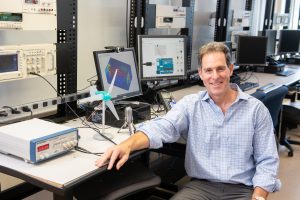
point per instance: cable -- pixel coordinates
(147, 64)
(13, 110)
(3, 114)
(83, 150)
(92, 82)
(83, 121)
(27, 109)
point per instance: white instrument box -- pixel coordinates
(36, 140)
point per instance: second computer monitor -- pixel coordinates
(289, 41)
(162, 57)
(251, 50)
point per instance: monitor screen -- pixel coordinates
(162, 57)
(271, 35)
(127, 82)
(251, 50)
(289, 41)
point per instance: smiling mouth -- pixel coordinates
(217, 84)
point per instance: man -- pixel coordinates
(230, 145)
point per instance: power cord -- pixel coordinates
(91, 82)
(83, 121)
(83, 150)
(147, 64)
(27, 109)
(3, 114)
(13, 110)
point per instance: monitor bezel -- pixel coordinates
(161, 78)
(100, 80)
(280, 41)
(251, 64)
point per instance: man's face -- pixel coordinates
(215, 73)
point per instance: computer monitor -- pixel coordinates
(289, 41)
(127, 83)
(162, 57)
(271, 35)
(251, 50)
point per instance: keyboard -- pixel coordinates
(265, 87)
(248, 85)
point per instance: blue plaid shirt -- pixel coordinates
(238, 147)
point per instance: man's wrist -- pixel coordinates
(259, 193)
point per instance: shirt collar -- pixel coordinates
(241, 95)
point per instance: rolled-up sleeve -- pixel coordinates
(265, 153)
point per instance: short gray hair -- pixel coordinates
(214, 47)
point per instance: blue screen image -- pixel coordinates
(124, 75)
(164, 66)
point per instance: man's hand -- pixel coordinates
(260, 192)
(120, 153)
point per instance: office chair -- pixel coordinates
(273, 101)
(260, 95)
(132, 179)
(290, 119)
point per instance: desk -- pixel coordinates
(264, 78)
(61, 174)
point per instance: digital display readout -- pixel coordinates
(8, 63)
(43, 147)
(11, 17)
(32, 1)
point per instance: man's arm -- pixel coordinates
(265, 153)
(121, 152)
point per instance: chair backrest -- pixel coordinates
(273, 101)
(260, 95)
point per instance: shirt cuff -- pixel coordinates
(270, 184)
(154, 139)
